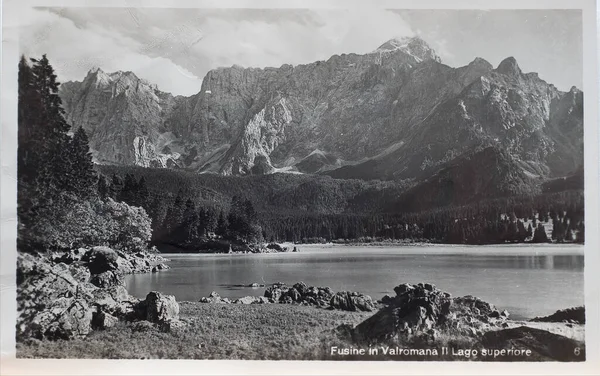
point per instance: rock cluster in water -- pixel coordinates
(214, 297)
(301, 293)
(423, 309)
(68, 295)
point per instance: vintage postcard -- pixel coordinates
(353, 185)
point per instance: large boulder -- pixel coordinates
(161, 308)
(294, 295)
(422, 309)
(65, 319)
(159, 267)
(102, 320)
(276, 291)
(301, 287)
(252, 300)
(324, 293)
(214, 297)
(363, 303)
(101, 259)
(107, 279)
(351, 301)
(51, 303)
(115, 301)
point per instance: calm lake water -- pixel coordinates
(528, 281)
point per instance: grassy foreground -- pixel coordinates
(212, 331)
(267, 332)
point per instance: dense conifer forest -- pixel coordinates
(301, 208)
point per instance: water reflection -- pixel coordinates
(568, 262)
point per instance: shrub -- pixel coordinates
(69, 222)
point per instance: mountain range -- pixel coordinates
(397, 113)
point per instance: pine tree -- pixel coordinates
(29, 110)
(221, 225)
(28, 153)
(143, 195)
(235, 217)
(116, 187)
(539, 236)
(522, 232)
(188, 229)
(103, 188)
(82, 176)
(512, 232)
(174, 215)
(51, 131)
(128, 193)
(202, 222)
(42, 157)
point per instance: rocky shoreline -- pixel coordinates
(302, 294)
(68, 296)
(222, 246)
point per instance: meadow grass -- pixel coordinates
(258, 332)
(212, 331)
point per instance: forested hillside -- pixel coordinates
(309, 208)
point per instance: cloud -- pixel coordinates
(175, 48)
(316, 36)
(74, 49)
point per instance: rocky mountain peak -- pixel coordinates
(509, 67)
(479, 62)
(414, 46)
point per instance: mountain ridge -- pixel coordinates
(394, 113)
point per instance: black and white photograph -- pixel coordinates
(317, 184)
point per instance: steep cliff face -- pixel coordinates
(124, 118)
(396, 112)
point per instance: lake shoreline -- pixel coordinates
(299, 246)
(434, 248)
(526, 274)
(296, 328)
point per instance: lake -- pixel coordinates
(527, 280)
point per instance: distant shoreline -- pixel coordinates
(403, 244)
(425, 244)
(515, 249)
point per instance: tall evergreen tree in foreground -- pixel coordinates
(44, 164)
(55, 169)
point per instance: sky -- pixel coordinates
(175, 48)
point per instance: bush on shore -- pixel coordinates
(70, 223)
